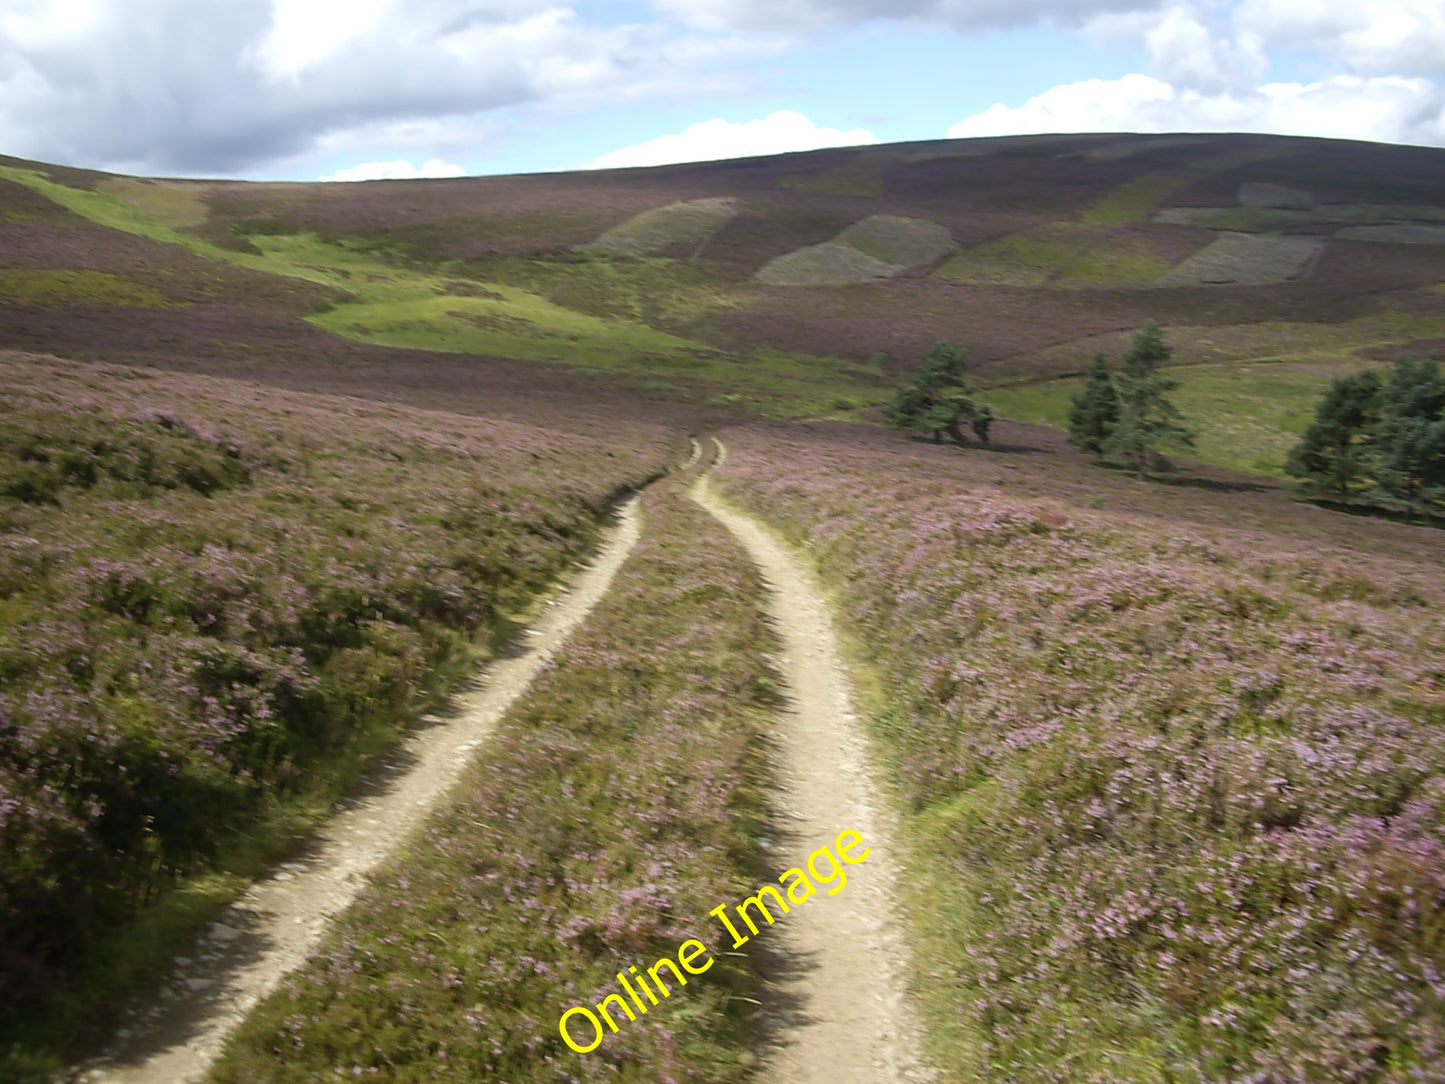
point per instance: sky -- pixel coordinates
(359, 89)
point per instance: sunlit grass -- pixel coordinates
(1059, 254)
(1245, 415)
(58, 289)
(1134, 200)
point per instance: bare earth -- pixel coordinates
(850, 959)
(281, 920)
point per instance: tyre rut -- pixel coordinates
(847, 954)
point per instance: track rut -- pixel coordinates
(853, 1023)
(281, 920)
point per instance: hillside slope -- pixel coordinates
(772, 283)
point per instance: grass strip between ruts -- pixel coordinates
(619, 801)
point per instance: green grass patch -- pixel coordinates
(1339, 345)
(106, 209)
(1060, 254)
(1133, 201)
(688, 222)
(907, 242)
(672, 295)
(170, 203)
(1247, 415)
(61, 289)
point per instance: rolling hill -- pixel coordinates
(281, 463)
(796, 285)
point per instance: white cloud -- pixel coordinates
(180, 86)
(305, 32)
(1401, 37)
(399, 170)
(709, 140)
(1383, 108)
(966, 15)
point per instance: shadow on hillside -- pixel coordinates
(1213, 485)
(1375, 511)
(975, 446)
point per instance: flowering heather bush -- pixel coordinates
(1177, 799)
(618, 802)
(210, 592)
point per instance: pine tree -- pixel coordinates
(939, 398)
(1148, 421)
(1094, 411)
(1410, 436)
(1337, 451)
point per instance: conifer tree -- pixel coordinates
(1148, 421)
(1337, 451)
(1094, 411)
(1410, 437)
(939, 398)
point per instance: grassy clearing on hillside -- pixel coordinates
(1343, 343)
(830, 264)
(170, 203)
(392, 301)
(1059, 254)
(1175, 799)
(61, 289)
(1133, 200)
(908, 242)
(216, 601)
(878, 247)
(666, 294)
(109, 209)
(1246, 416)
(1245, 259)
(620, 800)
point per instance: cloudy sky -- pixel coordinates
(304, 89)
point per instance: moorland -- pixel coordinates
(280, 464)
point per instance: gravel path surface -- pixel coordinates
(849, 957)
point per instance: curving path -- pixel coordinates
(281, 920)
(854, 1023)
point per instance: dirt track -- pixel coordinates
(281, 920)
(848, 958)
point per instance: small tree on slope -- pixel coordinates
(1094, 412)
(1148, 421)
(1411, 434)
(939, 398)
(1337, 451)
